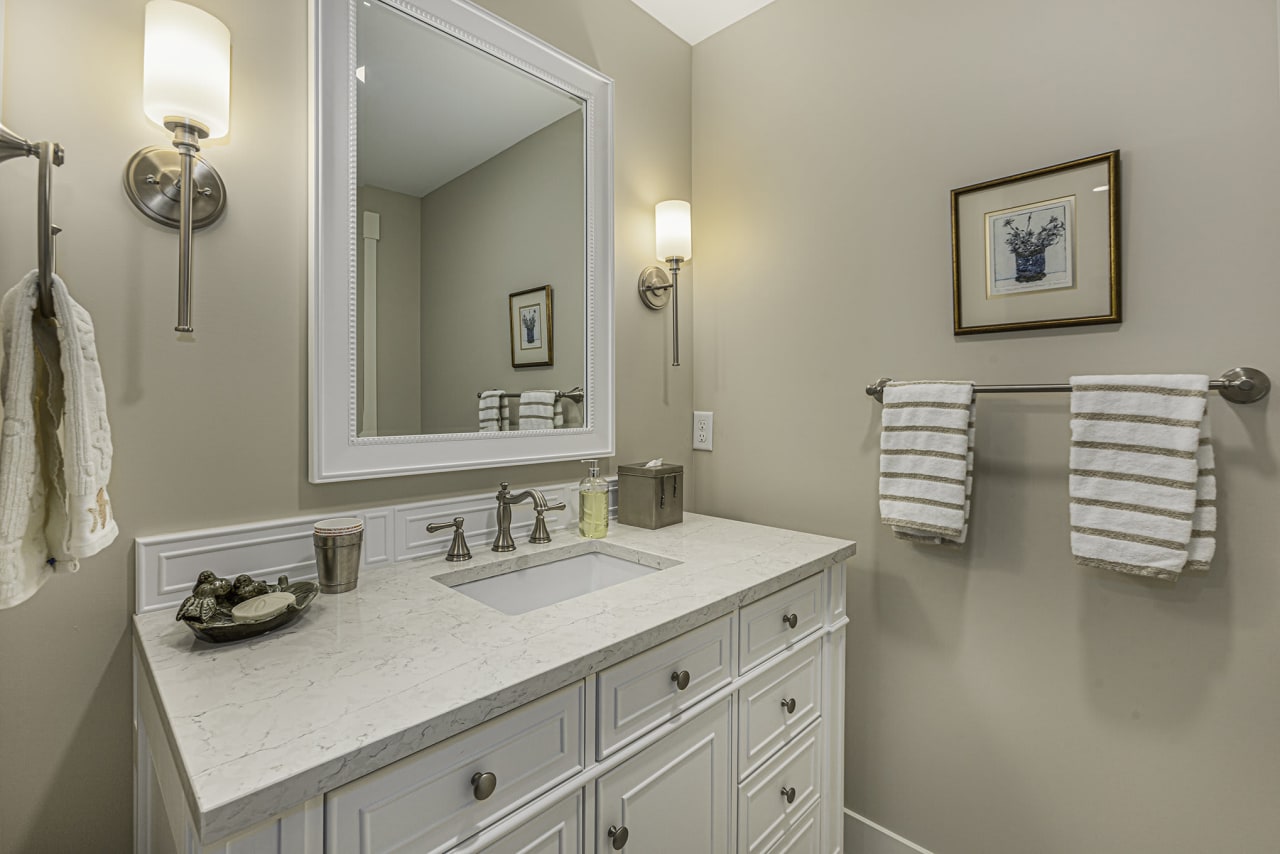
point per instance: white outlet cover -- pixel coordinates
(703, 430)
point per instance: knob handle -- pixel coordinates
(483, 784)
(619, 836)
(681, 678)
(790, 705)
(790, 620)
(789, 794)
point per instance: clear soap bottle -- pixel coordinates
(593, 503)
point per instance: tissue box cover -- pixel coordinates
(650, 497)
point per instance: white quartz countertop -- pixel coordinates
(402, 662)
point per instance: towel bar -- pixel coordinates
(1238, 385)
(50, 155)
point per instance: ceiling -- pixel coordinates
(694, 20)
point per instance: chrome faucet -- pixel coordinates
(503, 542)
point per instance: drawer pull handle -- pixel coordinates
(790, 705)
(619, 836)
(681, 678)
(483, 784)
(789, 794)
(790, 620)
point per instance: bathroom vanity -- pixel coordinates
(696, 706)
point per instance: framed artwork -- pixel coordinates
(1039, 249)
(531, 328)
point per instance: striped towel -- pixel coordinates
(1142, 486)
(926, 460)
(492, 417)
(537, 410)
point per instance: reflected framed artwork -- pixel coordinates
(532, 331)
(1039, 249)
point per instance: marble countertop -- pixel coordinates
(402, 662)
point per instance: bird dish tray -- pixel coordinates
(207, 612)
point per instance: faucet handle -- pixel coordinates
(458, 549)
(540, 533)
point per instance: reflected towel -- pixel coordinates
(491, 414)
(1141, 474)
(537, 410)
(926, 460)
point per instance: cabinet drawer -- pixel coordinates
(803, 838)
(764, 814)
(642, 692)
(778, 702)
(766, 624)
(428, 802)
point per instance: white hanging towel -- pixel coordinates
(491, 414)
(1142, 486)
(54, 506)
(537, 410)
(926, 460)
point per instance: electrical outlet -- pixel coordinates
(702, 424)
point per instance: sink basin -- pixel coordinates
(524, 590)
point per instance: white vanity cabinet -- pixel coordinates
(725, 738)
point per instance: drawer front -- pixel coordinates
(557, 830)
(777, 703)
(766, 625)
(640, 693)
(803, 838)
(428, 802)
(764, 813)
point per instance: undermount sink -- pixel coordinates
(524, 590)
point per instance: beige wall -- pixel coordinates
(399, 284)
(529, 199)
(1002, 700)
(212, 431)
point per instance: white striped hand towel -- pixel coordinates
(926, 460)
(491, 405)
(1135, 457)
(537, 410)
(1204, 522)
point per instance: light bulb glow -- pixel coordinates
(672, 221)
(186, 67)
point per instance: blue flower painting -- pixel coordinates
(530, 327)
(1031, 248)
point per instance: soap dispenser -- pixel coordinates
(593, 503)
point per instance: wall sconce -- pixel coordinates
(186, 88)
(675, 245)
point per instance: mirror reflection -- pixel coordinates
(471, 243)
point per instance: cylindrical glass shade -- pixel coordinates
(186, 67)
(673, 227)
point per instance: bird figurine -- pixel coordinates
(247, 587)
(203, 601)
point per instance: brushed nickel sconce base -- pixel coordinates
(654, 287)
(152, 179)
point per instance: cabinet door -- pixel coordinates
(556, 830)
(673, 796)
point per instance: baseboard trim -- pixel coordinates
(857, 827)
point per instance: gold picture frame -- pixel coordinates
(1038, 250)
(532, 330)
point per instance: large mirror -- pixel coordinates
(461, 259)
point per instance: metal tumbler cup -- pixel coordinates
(337, 544)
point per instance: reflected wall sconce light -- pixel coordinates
(186, 88)
(675, 246)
